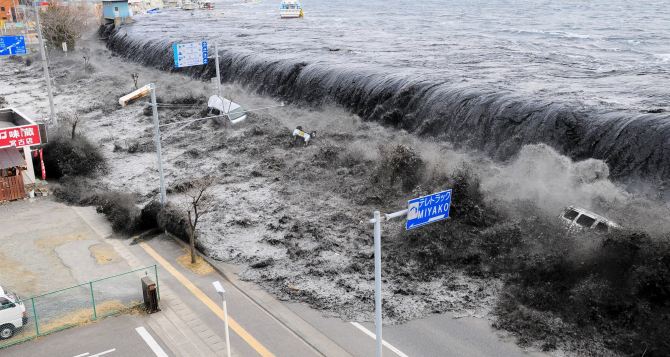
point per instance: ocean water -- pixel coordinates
(599, 52)
(589, 78)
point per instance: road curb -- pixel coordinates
(311, 336)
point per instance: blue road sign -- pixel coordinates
(428, 209)
(12, 45)
(189, 54)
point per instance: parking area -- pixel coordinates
(55, 258)
(125, 335)
(47, 246)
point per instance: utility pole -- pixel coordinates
(218, 71)
(378, 282)
(157, 141)
(45, 65)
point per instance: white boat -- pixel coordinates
(217, 105)
(188, 5)
(290, 9)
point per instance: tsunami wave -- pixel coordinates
(634, 144)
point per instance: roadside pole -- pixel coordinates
(218, 71)
(420, 211)
(378, 281)
(45, 65)
(377, 221)
(221, 291)
(225, 315)
(157, 141)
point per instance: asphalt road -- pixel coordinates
(109, 337)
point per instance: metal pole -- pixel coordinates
(218, 71)
(378, 282)
(95, 312)
(52, 110)
(158, 288)
(37, 324)
(157, 139)
(225, 321)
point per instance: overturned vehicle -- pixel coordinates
(576, 218)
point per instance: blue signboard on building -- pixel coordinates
(189, 54)
(12, 45)
(428, 209)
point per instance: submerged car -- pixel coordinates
(580, 218)
(217, 105)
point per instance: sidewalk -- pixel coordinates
(182, 331)
(177, 325)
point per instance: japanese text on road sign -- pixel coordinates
(189, 54)
(12, 45)
(428, 209)
(20, 136)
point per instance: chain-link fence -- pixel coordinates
(22, 319)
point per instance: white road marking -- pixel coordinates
(103, 353)
(97, 354)
(373, 336)
(146, 336)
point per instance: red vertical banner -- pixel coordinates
(44, 171)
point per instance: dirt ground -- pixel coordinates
(297, 215)
(47, 246)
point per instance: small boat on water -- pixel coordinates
(188, 5)
(291, 9)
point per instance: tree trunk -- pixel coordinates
(192, 244)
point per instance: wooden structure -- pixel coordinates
(12, 165)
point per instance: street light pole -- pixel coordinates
(157, 141)
(218, 71)
(45, 65)
(377, 221)
(221, 292)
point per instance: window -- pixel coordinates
(570, 214)
(116, 8)
(602, 227)
(5, 304)
(585, 221)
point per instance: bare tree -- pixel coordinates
(64, 22)
(71, 119)
(200, 202)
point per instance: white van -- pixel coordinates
(579, 218)
(12, 314)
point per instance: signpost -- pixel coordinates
(420, 212)
(428, 209)
(189, 54)
(12, 45)
(20, 136)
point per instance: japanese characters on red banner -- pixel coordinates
(20, 136)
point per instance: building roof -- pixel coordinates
(11, 157)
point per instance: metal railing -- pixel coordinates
(80, 304)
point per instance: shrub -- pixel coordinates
(64, 156)
(120, 210)
(168, 218)
(72, 190)
(64, 23)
